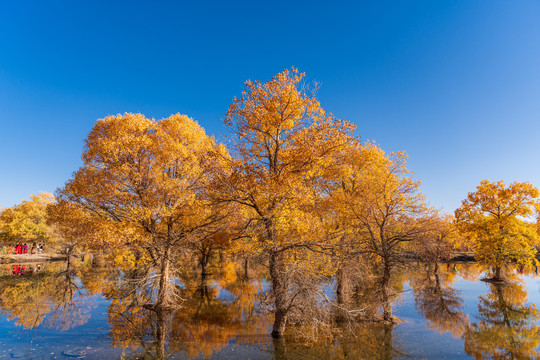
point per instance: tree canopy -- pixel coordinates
(495, 217)
(27, 221)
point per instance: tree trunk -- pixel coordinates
(343, 287)
(69, 254)
(502, 306)
(279, 289)
(497, 276)
(385, 289)
(164, 297)
(246, 269)
(280, 350)
(343, 294)
(68, 260)
(161, 335)
(387, 348)
(280, 323)
(98, 260)
(204, 263)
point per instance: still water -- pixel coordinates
(49, 311)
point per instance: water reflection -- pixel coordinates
(223, 312)
(437, 300)
(360, 341)
(507, 326)
(54, 297)
(212, 314)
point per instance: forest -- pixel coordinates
(292, 190)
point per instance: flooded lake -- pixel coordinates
(50, 311)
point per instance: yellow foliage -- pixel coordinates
(143, 184)
(228, 274)
(494, 218)
(285, 149)
(27, 221)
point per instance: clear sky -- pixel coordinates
(455, 84)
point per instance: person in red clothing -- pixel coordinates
(25, 248)
(18, 249)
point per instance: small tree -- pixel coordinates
(441, 240)
(494, 218)
(383, 210)
(27, 222)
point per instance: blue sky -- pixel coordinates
(455, 84)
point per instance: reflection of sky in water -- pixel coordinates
(91, 340)
(418, 340)
(421, 342)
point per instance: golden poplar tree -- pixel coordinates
(284, 148)
(493, 217)
(27, 221)
(382, 210)
(149, 178)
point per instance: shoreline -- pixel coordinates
(31, 258)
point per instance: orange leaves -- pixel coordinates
(286, 148)
(145, 172)
(518, 199)
(278, 103)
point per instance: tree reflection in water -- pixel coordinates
(223, 312)
(437, 300)
(359, 341)
(216, 313)
(53, 297)
(507, 326)
(210, 317)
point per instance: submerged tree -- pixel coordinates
(440, 241)
(382, 211)
(493, 217)
(148, 178)
(206, 324)
(283, 151)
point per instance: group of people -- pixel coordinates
(20, 249)
(21, 269)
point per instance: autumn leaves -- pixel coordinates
(296, 188)
(494, 217)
